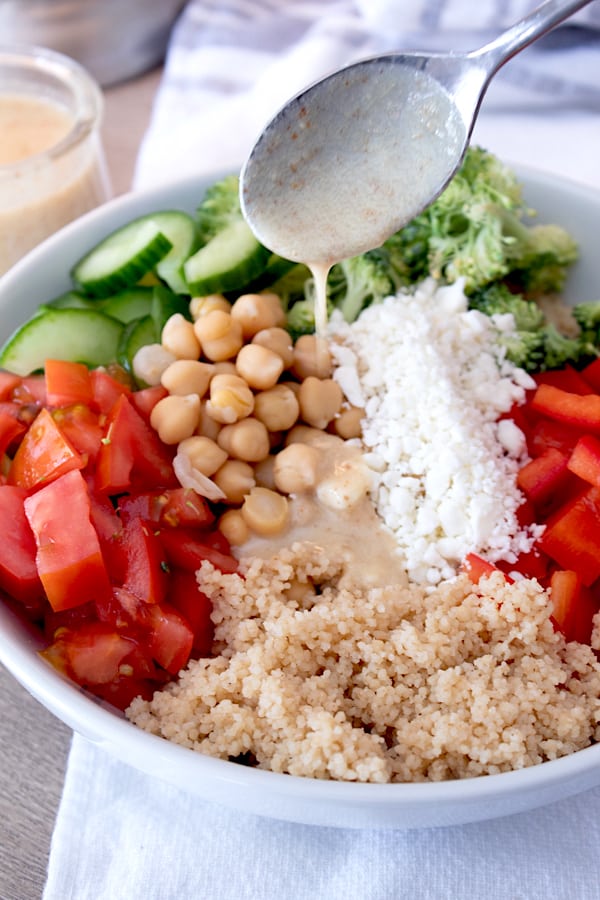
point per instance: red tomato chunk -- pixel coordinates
(92, 515)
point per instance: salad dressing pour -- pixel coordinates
(353, 158)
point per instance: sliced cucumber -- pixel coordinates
(132, 303)
(69, 300)
(182, 230)
(135, 334)
(166, 303)
(122, 258)
(230, 260)
(77, 335)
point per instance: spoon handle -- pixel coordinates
(541, 20)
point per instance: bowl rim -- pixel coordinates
(112, 730)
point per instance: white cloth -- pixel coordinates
(122, 835)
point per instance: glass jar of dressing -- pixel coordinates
(52, 166)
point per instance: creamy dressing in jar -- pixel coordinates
(52, 167)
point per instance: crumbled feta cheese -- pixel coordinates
(428, 374)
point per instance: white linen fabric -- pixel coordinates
(122, 835)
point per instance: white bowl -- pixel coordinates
(42, 275)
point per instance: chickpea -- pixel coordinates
(265, 512)
(260, 366)
(236, 479)
(204, 454)
(348, 424)
(277, 408)
(247, 440)
(279, 341)
(150, 362)
(176, 417)
(233, 526)
(346, 487)
(304, 434)
(320, 400)
(207, 426)
(225, 367)
(219, 334)
(200, 306)
(187, 376)
(296, 468)
(254, 312)
(264, 472)
(311, 357)
(179, 338)
(230, 399)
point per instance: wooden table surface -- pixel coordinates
(33, 744)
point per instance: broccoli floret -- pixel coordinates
(560, 349)
(357, 282)
(300, 317)
(587, 316)
(540, 257)
(297, 284)
(219, 208)
(523, 348)
(475, 230)
(497, 299)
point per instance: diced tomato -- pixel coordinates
(106, 390)
(564, 406)
(185, 507)
(147, 505)
(546, 480)
(584, 461)
(67, 383)
(572, 536)
(146, 399)
(103, 516)
(44, 454)
(69, 559)
(32, 389)
(185, 595)
(145, 564)
(567, 379)
(8, 382)
(124, 689)
(11, 429)
(81, 427)
(185, 549)
(171, 638)
(18, 570)
(130, 440)
(91, 654)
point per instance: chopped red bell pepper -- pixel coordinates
(572, 536)
(546, 481)
(573, 605)
(584, 461)
(564, 406)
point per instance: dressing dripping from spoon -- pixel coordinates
(353, 158)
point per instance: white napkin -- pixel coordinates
(120, 834)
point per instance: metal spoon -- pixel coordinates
(354, 157)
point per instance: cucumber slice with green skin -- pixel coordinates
(69, 300)
(122, 258)
(166, 303)
(132, 303)
(136, 334)
(76, 335)
(182, 230)
(229, 261)
(277, 267)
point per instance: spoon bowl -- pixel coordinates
(354, 157)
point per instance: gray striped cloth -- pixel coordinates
(232, 63)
